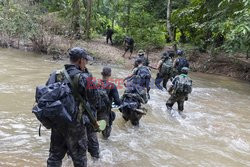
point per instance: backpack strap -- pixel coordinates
(82, 101)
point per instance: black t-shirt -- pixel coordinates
(129, 41)
(110, 32)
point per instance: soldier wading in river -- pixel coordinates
(179, 90)
(63, 107)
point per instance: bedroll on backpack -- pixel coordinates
(167, 67)
(184, 85)
(55, 105)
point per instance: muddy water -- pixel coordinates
(216, 131)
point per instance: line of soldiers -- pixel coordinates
(80, 136)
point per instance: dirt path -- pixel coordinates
(113, 55)
(107, 53)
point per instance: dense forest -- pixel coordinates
(206, 24)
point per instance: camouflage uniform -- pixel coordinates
(107, 114)
(163, 77)
(93, 144)
(180, 98)
(71, 139)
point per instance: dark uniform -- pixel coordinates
(136, 93)
(180, 62)
(164, 76)
(129, 42)
(93, 144)
(161, 76)
(71, 139)
(109, 34)
(106, 114)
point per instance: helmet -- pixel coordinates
(184, 70)
(141, 52)
(179, 52)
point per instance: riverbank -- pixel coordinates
(236, 67)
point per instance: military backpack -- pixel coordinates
(167, 67)
(183, 85)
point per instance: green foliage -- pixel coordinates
(215, 24)
(119, 36)
(16, 21)
(220, 24)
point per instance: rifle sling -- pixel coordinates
(82, 101)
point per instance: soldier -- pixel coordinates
(72, 139)
(179, 90)
(109, 94)
(165, 70)
(140, 74)
(180, 61)
(93, 144)
(129, 46)
(109, 35)
(141, 55)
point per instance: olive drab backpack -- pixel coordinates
(183, 85)
(55, 103)
(104, 102)
(167, 67)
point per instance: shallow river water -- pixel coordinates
(215, 132)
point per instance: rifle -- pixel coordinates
(98, 125)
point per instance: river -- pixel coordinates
(215, 132)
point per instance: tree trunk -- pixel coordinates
(183, 36)
(76, 18)
(168, 21)
(98, 5)
(128, 14)
(88, 18)
(113, 12)
(248, 53)
(169, 26)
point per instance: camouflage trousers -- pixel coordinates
(93, 144)
(179, 99)
(71, 140)
(159, 78)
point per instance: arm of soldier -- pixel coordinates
(171, 88)
(83, 85)
(131, 75)
(115, 95)
(175, 63)
(159, 64)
